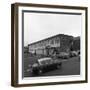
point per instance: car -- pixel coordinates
(78, 52)
(45, 64)
(63, 55)
(73, 53)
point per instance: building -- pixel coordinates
(26, 49)
(51, 45)
(76, 44)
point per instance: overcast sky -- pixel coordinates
(40, 26)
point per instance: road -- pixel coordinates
(70, 66)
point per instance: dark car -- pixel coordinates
(44, 65)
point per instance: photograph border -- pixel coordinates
(14, 43)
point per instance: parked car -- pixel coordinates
(63, 55)
(73, 53)
(45, 64)
(78, 51)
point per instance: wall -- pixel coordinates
(5, 45)
(40, 46)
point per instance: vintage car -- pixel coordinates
(63, 55)
(74, 53)
(45, 64)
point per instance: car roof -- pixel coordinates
(44, 59)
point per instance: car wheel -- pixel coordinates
(40, 72)
(58, 66)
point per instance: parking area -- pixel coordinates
(69, 66)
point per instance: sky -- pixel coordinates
(39, 26)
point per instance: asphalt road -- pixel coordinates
(70, 66)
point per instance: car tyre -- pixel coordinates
(58, 66)
(40, 72)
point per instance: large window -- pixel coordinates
(52, 41)
(56, 40)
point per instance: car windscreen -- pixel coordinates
(43, 62)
